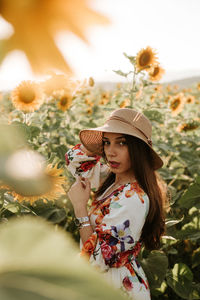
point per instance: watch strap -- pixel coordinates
(83, 219)
(80, 220)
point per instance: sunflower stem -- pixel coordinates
(25, 118)
(133, 89)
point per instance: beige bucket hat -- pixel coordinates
(125, 121)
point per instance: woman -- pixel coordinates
(127, 209)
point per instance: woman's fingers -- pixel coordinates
(87, 184)
(80, 192)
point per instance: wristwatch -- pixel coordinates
(79, 221)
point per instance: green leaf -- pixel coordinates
(190, 230)
(195, 291)
(34, 131)
(131, 58)
(192, 196)
(119, 72)
(180, 280)
(196, 258)
(155, 268)
(172, 222)
(61, 150)
(13, 207)
(154, 115)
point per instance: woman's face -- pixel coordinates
(117, 154)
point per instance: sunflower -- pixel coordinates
(36, 24)
(156, 73)
(89, 102)
(188, 126)
(4, 186)
(124, 103)
(56, 179)
(89, 111)
(169, 88)
(145, 59)
(57, 82)
(190, 99)
(105, 97)
(158, 88)
(177, 103)
(152, 98)
(138, 95)
(168, 99)
(91, 81)
(27, 96)
(64, 98)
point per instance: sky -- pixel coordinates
(169, 26)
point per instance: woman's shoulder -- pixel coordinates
(132, 190)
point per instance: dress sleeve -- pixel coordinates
(79, 164)
(121, 219)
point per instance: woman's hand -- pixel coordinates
(79, 195)
(87, 152)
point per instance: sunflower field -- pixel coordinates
(42, 120)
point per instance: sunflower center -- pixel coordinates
(175, 104)
(27, 95)
(155, 71)
(189, 100)
(64, 101)
(145, 59)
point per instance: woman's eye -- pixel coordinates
(122, 143)
(105, 142)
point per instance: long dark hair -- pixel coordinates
(142, 165)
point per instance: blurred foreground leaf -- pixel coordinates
(39, 262)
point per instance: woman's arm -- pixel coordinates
(81, 162)
(79, 195)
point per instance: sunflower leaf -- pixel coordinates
(192, 195)
(155, 267)
(180, 280)
(119, 72)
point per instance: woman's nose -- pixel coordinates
(111, 150)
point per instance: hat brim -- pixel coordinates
(92, 139)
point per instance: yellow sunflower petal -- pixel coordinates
(57, 82)
(36, 23)
(27, 96)
(56, 179)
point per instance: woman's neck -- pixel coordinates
(122, 179)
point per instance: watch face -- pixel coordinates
(77, 222)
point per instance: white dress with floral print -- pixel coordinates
(117, 221)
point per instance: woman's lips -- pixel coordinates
(114, 164)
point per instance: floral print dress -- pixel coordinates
(117, 221)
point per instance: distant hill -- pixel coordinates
(185, 82)
(182, 83)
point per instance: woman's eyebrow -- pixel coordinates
(117, 138)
